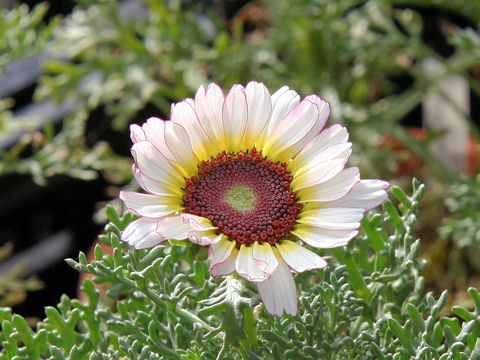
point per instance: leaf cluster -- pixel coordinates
(23, 32)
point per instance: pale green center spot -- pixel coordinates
(241, 198)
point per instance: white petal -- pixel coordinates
(202, 231)
(208, 106)
(333, 188)
(293, 128)
(259, 103)
(137, 174)
(141, 233)
(235, 117)
(310, 159)
(264, 257)
(156, 187)
(155, 165)
(317, 174)
(323, 238)
(154, 129)
(246, 265)
(151, 206)
(299, 258)
(178, 143)
(333, 218)
(323, 116)
(283, 100)
(183, 113)
(367, 194)
(203, 238)
(226, 267)
(198, 223)
(219, 251)
(278, 293)
(172, 227)
(136, 133)
(329, 136)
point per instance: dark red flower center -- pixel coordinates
(245, 195)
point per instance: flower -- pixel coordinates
(251, 175)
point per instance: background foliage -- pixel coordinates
(367, 58)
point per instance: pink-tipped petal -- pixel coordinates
(178, 142)
(203, 238)
(155, 165)
(367, 194)
(208, 107)
(304, 162)
(226, 267)
(246, 265)
(299, 258)
(136, 133)
(283, 100)
(333, 188)
(219, 251)
(197, 223)
(317, 175)
(156, 187)
(151, 206)
(264, 257)
(294, 128)
(154, 130)
(141, 234)
(183, 113)
(333, 218)
(323, 116)
(329, 136)
(323, 238)
(235, 115)
(202, 232)
(278, 293)
(137, 174)
(172, 227)
(259, 103)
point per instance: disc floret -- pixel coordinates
(245, 195)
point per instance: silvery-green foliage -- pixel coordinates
(462, 224)
(462, 201)
(162, 304)
(23, 32)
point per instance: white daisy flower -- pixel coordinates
(252, 176)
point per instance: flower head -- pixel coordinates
(252, 176)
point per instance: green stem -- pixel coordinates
(186, 315)
(222, 350)
(250, 327)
